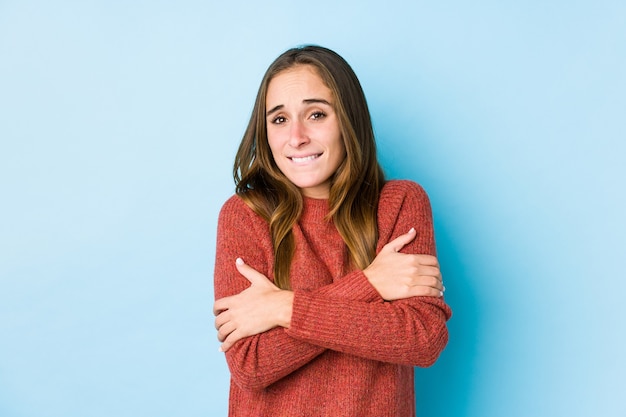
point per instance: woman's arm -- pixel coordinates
(411, 331)
(267, 355)
(348, 315)
(259, 308)
(408, 331)
(263, 306)
(255, 362)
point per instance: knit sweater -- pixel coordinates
(347, 352)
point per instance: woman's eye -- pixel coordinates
(278, 120)
(318, 115)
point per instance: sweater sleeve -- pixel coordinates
(257, 361)
(411, 331)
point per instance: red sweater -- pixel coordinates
(348, 352)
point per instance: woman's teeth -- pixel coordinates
(304, 159)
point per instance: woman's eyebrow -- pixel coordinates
(305, 101)
(316, 100)
(274, 109)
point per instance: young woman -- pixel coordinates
(327, 286)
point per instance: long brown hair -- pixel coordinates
(355, 186)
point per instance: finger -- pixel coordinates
(221, 318)
(398, 243)
(226, 330)
(250, 273)
(430, 271)
(220, 305)
(428, 281)
(426, 291)
(230, 341)
(429, 260)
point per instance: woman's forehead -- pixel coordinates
(301, 82)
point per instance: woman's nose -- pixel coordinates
(298, 134)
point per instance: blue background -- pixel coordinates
(118, 127)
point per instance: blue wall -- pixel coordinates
(118, 125)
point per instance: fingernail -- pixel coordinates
(239, 261)
(440, 293)
(412, 230)
(444, 289)
(220, 349)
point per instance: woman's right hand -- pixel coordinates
(398, 275)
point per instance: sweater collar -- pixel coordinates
(314, 210)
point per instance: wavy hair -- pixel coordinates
(355, 186)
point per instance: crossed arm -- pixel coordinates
(390, 312)
(263, 306)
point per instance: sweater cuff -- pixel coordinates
(311, 307)
(354, 286)
(308, 311)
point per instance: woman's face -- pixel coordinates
(303, 130)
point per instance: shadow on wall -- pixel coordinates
(444, 389)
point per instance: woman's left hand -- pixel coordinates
(259, 308)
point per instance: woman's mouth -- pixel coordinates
(301, 159)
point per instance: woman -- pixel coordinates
(328, 291)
